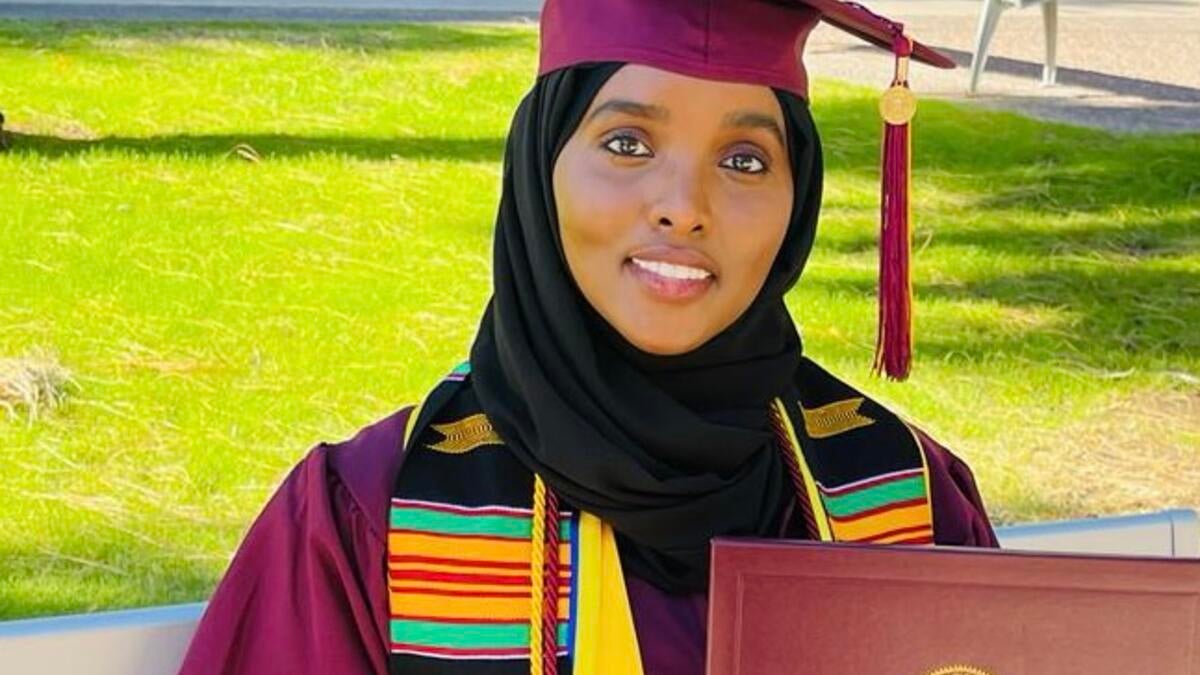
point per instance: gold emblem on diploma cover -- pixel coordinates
(958, 669)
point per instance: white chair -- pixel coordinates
(152, 641)
(989, 17)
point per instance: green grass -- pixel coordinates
(220, 316)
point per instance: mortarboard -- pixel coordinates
(762, 42)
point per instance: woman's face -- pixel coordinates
(673, 199)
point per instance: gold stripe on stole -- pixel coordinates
(925, 475)
(411, 422)
(605, 640)
(810, 485)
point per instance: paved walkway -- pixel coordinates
(1124, 65)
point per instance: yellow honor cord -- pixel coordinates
(810, 484)
(537, 575)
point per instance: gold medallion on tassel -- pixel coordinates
(898, 104)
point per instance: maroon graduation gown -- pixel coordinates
(305, 592)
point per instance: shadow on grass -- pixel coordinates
(1011, 162)
(1173, 236)
(1116, 218)
(68, 36)
(1122, 316)
(267, 146)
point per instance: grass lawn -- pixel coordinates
(220, 315)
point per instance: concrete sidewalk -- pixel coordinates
(1124, 65)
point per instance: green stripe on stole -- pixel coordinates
(848, 504)
(412, 517)
(467, 636)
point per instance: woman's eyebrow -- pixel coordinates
(754, 120)
(742, 118)
(628, 107)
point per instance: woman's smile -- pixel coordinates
(671, 273)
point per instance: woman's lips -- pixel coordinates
(670, 281)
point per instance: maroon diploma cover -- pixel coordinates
(782, 607)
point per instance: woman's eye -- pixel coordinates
(744, 163)
(628, 146)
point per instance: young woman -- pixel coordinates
(636, 387)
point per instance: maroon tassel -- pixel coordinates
(893, 344)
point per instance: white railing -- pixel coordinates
(147, 641)
(1174, 534)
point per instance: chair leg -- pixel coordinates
(988, 18)
(1050, 22)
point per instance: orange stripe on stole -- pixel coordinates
(514, 550)
(416, 604)
(882, 522)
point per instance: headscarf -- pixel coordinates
(670, 450)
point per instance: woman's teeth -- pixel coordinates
(671, 271)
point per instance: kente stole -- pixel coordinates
(465, 541)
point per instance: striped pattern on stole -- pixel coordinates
(891, 508)
(459, 584)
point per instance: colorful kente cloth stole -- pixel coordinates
(889, 509)
(463, 555)
(868, 470)
(464, 592)
(461, 550)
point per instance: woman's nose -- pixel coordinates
(682, 203)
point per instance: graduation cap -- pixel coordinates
(762, 42)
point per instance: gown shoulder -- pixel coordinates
(303, 593)
(960, 518)
(959, 515)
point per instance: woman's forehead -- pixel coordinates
(654, 93)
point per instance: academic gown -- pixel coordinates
(306, 592)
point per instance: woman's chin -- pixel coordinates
(665, 340)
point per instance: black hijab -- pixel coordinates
(672, 450)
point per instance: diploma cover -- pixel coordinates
(778, 607)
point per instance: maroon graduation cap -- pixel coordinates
(762, 42)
